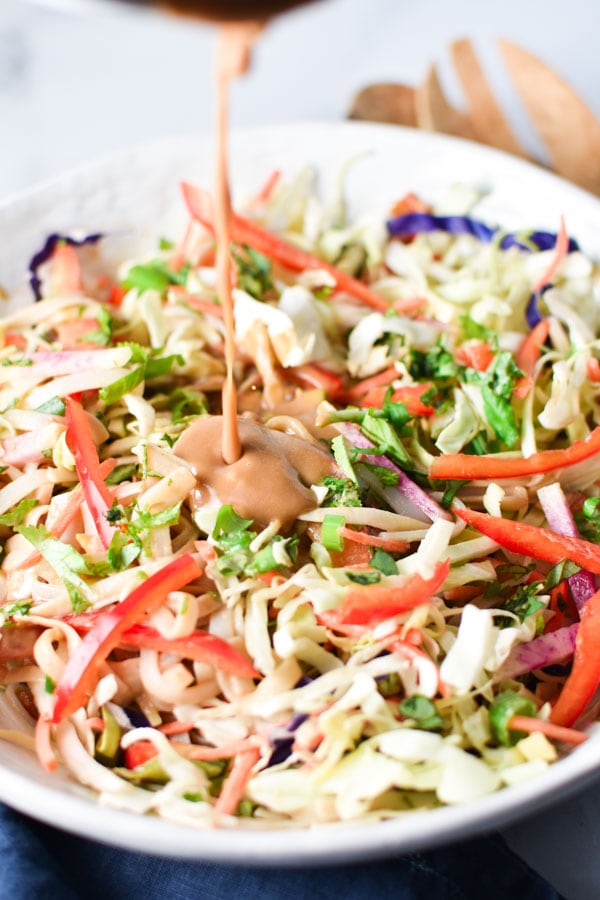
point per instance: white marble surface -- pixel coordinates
(77, 82)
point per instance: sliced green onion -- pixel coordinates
(342, 458)
(330, 536)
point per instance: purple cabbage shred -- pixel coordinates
(282, 739)
(418, 223)
(532, 310)
(44, 254)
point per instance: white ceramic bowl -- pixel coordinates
(135, 197)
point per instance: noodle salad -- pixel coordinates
(388, 602)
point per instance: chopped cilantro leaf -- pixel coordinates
(523, 602)
(422, 710)
(17, 608)
(470, 329)
(155, 275)
(18, 514)
(253, 272)
(363, 577)
(54, 407)
(121, 473)
(68, 564)
(434, 364)
(341, 492)
(500, 415)
(384, 561)
(559, 573)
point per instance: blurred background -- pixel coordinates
(82, 78)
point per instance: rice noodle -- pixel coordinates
(343, 662)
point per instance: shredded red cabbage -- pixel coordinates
(560, 519)
(44, 254)
(542, 651)
(532, 310)
(418, 222)
(282, 739)
(406, 486)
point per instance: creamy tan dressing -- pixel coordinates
(264, 474)
(271, 479)
(234, 43)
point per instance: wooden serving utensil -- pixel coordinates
(566, 125)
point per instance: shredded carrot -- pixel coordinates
(235, 783)
(414, 636)
(267, 189)
(393, 545)
(71, 335)
(116, 295)
(96, 723)
(43, 746)
(561, 248)
(12, 339)
(363, 387)
(311, 744)
(180, 254)
(203, 306)
(592, 368)
(65, 271)
(529, 352)
(409, 304)
(409, 203)
(198, 751)
(176, 727)
(557, 732)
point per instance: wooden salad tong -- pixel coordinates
(567, 127)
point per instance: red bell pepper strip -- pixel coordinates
(312, 375)
(79, 676)
(244, 231)
(581, 685)
(199, 645)
(463, 467)
(139, 753)
(529, 352)
(80, 441)
(370, 604)
(537, 543)
(476, 355)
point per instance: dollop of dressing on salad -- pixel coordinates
(266, 475)
(271, 479)
(234, 44)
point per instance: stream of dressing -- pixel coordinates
(266, 475)
(234, 45)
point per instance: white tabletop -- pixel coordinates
(76, 85)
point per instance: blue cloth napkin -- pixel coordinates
(41, 863)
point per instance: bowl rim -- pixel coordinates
(335, 842)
